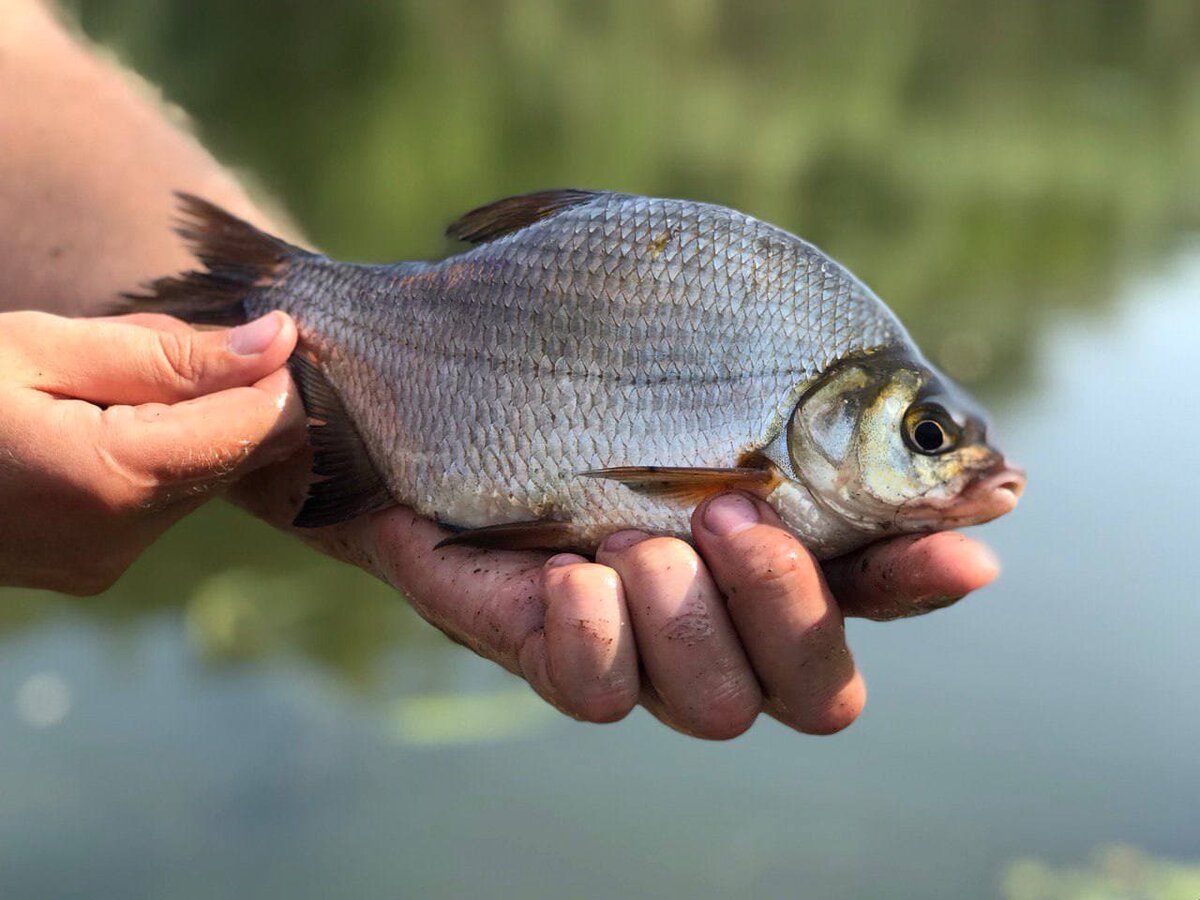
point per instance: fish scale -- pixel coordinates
(608, 331)
(595, 333)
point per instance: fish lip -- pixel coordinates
(992, 494)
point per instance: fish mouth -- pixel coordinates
(987, 496)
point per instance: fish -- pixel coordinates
(594, 361)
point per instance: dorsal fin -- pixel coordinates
(486, 223)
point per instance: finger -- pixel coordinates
(785, 614)
(910, 575)
(690, 651)
(121, 363)
(489, 600)
(196, 444)
(157, 321)
(586, 663)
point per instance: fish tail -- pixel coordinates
(238, 259)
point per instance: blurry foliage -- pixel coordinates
(1114, 873)
(979, 164)
(972, 161)
(438, 719)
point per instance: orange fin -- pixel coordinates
(689, 485)
(514, 213)
(541, 534)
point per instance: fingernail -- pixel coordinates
(564, 559)
(255, 337)
(729, 514)
(623, 540)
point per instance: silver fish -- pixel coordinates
(600, 361)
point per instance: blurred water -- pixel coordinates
(240, 717)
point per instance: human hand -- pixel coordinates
(113, 429)
(705, 638)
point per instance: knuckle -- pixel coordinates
(178, 358)
(689, 627)
(779, 568)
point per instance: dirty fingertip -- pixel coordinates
(564, 559)
(728, 514)
(623, 540)
(956, 564)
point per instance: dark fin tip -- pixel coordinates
(350, 486)
(237, 258)
(486, 223)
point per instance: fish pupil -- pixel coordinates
(929, 435)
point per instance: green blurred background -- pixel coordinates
(239, 717)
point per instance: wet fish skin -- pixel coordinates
(625, 331)
(586, 331)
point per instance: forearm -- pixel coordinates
(89, 157)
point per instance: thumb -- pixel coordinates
(195, 445)
(130, 362)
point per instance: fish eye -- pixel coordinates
(929, 436)
(930, 430)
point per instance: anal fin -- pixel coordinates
(349, 485)
(689, 485)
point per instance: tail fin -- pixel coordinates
(237, 258)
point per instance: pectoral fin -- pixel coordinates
(689, 485)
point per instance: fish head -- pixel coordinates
(892, 445)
